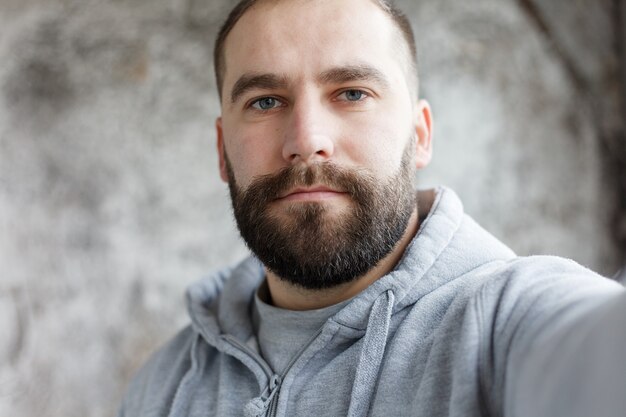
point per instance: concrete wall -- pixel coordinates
(110, 201)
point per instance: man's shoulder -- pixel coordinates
(553, 270)
(536, 290)
(213, 302)
(543, 276)
(527, 287)
(155, 384)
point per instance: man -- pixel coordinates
(363, 298)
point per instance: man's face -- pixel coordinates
(319, 126)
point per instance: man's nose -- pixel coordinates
(309, 138)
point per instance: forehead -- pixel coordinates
(297, 38)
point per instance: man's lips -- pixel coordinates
(310, 194)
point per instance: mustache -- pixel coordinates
(266, 188)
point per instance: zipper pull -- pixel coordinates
(257, 407)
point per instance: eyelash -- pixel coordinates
(252, 104)
(364, 95)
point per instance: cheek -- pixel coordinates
(251, 153)
(378, 146)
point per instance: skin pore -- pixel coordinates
(309, 83)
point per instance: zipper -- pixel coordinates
(273, 406)
(270, 395)
(236, 343)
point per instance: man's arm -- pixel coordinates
(571, 361)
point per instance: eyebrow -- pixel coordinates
(348, 73)
(249, 82)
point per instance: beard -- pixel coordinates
(313, 246)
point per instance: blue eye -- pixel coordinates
(265, 103)
(353, 95)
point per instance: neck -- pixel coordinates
(288, 296)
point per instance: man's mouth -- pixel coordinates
(314, 193)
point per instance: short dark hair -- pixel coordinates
(397, 16)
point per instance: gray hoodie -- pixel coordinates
(461, 327)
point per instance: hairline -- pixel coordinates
(398, 19)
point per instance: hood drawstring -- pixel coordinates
(372, 351)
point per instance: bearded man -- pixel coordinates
(364, 297)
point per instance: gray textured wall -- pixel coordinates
(110, 202)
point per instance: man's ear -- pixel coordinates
(424, 133)
(221, 152)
